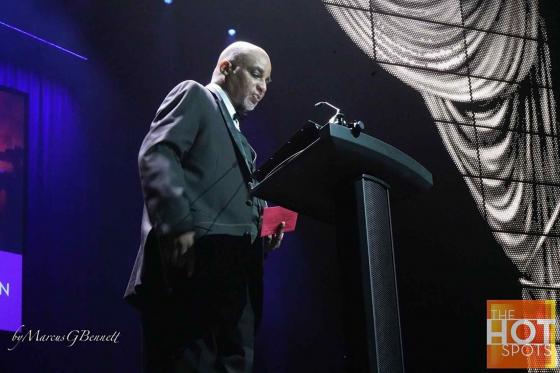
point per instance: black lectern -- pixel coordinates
(343, 177)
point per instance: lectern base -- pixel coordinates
(365, 248)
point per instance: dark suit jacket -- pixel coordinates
(194, 176)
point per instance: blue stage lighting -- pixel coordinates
(23, 32)
(231, 32)
(168, 1)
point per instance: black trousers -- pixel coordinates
(208, 323)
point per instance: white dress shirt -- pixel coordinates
(229, 106)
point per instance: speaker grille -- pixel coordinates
(378, 270)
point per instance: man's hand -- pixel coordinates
(273, 241)
(179, 253)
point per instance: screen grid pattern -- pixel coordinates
(483, 70)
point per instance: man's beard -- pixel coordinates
(243, 110)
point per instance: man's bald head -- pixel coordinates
(243, 71)
(236, 53)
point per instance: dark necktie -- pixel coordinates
(239, 116)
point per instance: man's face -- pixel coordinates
(246, 83)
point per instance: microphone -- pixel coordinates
(338, 118)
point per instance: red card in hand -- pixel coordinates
(274, 216)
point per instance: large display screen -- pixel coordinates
(483, 70)
(13, 123)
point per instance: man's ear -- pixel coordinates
(226, 67)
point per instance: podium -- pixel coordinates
(343, 177)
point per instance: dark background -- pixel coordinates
(78, 260)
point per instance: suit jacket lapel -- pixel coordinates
(234, 133)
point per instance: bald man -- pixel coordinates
(197, 279)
